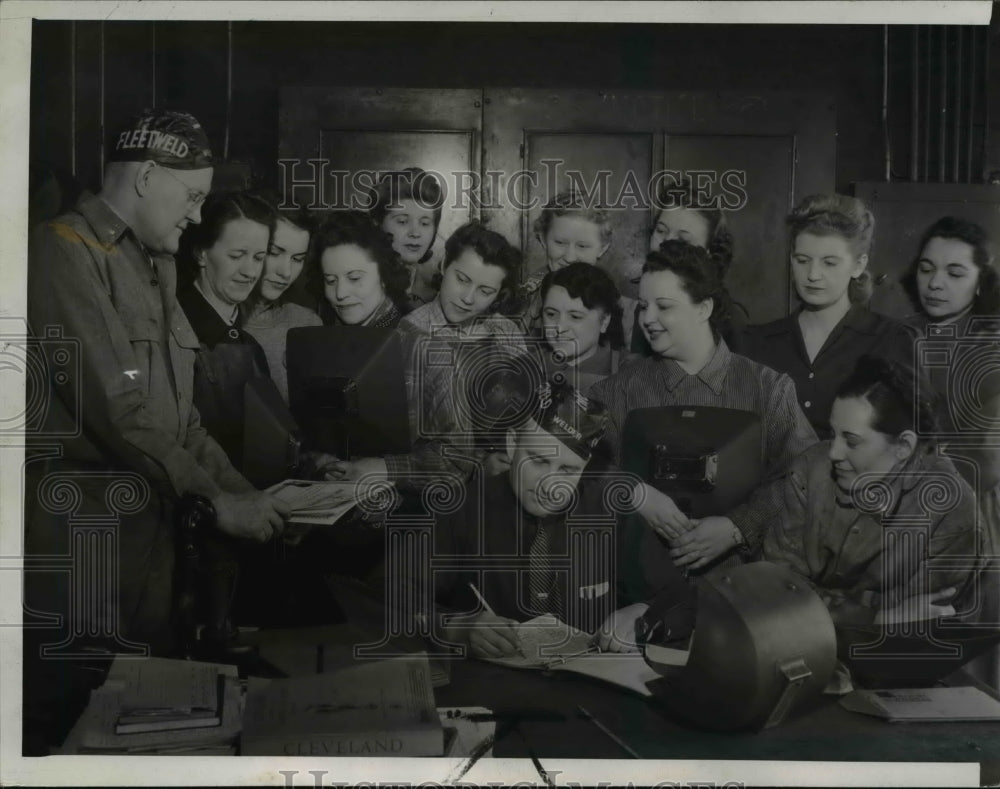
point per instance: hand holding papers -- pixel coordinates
(317, 503)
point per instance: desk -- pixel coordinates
(825, 731)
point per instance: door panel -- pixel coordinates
(761, 168)
(598, 164)
(784, 142)
(349, 153)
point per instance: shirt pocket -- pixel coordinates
(143, 335)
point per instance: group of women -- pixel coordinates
(834, 384)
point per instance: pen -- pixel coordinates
(481, 599)
(618, 740)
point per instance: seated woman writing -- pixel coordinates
(843, 497)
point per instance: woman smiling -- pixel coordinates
(873, 475)
(357, 277)
(269, 313)
(684, 306)
(227, 250)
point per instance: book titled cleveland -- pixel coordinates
(381, 708)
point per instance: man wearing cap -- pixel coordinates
(103, 276)
(511, 537)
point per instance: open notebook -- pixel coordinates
(548, 644)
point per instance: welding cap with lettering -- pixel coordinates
(169, 138)
(577, 421)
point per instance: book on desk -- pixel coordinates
(158, 705)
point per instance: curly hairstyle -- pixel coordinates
(571, 203)
(892, 390)
(495, 250)
(840, 215)
(684, 195)
(355, 228)
(596, 289)
(411, 183)
(987, 299)
(218, 210)
(699, 278)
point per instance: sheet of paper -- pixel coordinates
(159, 683)
(545, 639)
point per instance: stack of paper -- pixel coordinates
(143, 706)
(381, 708)
(318, 503)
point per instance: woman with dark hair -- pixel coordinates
(407, 205)
(269, 313)
(356, 276)
(570, 230)
(874, 474)
(481, 271)
(953, 278)
(684, 306)
(581, 325)
(226, 254)
(818, 346)
(955, 284)
(684, 213)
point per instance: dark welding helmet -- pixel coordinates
(763, 642)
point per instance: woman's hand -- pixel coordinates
(918, 608)
(617, 632)
(660, 512)
(708, 539)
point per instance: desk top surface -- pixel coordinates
(821, 731)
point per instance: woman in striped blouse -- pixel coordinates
(684, 311)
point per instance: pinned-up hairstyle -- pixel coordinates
(495, 250)
(892, 390)
(700, 279)
(684, 195)
(571, 203)
(355, 228)
(838, 215)
(596, 289)
(987, 300)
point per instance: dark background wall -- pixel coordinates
(184, 65)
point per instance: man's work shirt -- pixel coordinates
(91, 280)
(487, 542)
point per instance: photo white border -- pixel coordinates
(15, 64)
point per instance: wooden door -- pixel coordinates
(356, 133)
(503, 152)
(779, 147)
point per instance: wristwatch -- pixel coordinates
(741, 544)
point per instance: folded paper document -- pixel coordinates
(924, 704)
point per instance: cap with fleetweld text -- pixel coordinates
(169, 138)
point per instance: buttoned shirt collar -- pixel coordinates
(713, 374)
